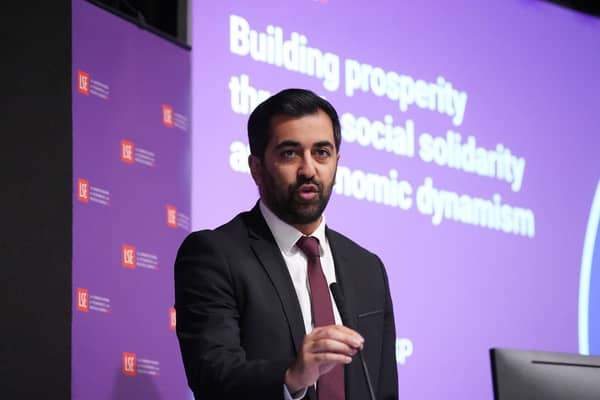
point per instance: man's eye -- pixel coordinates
(322, 153)
(288, 154)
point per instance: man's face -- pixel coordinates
(297, 173)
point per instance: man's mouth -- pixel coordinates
(307, 192)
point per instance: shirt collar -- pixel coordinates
(286, 235)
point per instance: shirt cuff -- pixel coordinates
(288, 396)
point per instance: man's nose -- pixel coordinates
(307, 167)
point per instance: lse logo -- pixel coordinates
(82, 300)
(129, 364)
(172, 318)
(83, 190)
(128, 256)
(127, 151)
(83, 82)
(167, 112)
(171, 216)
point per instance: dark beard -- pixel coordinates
(288, 209)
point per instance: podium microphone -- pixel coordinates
(339, 302)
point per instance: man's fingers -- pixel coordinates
(339, 333)
(322, 349)
(332, 358)
(332, 346)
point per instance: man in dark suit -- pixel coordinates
(255, 319)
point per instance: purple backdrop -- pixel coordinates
(529, 70)
(131, 206)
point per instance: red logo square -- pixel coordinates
(83, 190)
(171, 216)
(83, 82)
(127, 151)
(128, 259)
(167, 113)
(129, 364)
(82, 300)
(172, 318)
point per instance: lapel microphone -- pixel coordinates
(339, 302)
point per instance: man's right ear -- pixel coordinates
(255, 165)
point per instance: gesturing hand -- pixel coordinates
(322, 349)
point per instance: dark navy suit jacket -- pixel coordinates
(239, 322)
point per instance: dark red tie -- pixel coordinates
(331, 385)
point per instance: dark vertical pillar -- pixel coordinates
(36, 198)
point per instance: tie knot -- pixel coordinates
(309, 246)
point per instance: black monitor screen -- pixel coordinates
(535, 375)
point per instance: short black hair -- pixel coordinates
(293, 103)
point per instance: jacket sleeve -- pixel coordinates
(208, 326)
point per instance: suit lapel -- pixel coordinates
(343, 264)
(344, 268)
(264, 246)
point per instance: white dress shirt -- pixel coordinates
(286, 237)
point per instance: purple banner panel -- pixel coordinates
(131, 207)
(469, 159)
